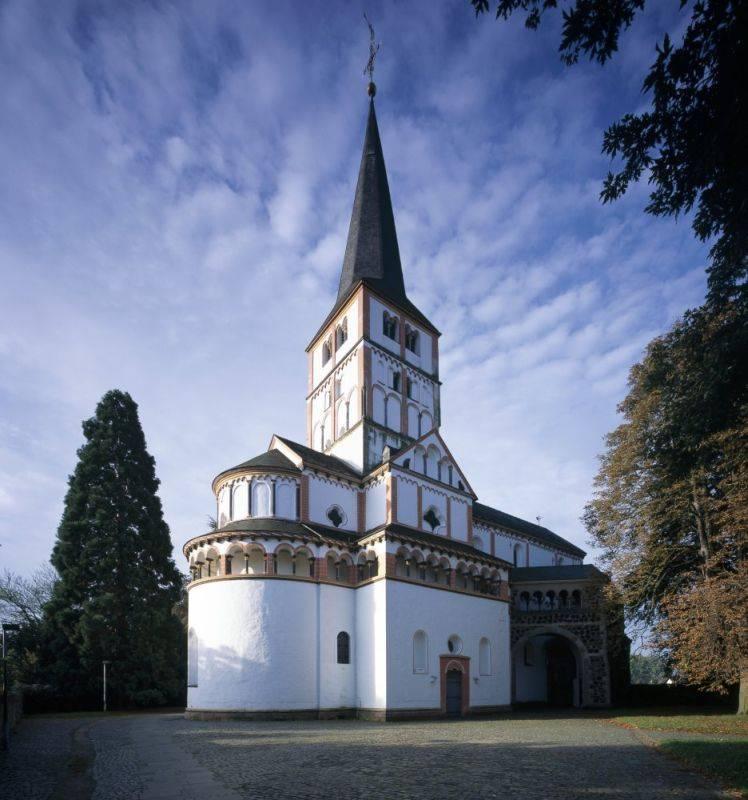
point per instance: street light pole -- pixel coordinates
(104, 664)
(6, 626)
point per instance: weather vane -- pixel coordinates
(373, 50)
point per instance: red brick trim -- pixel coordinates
(304, 511)
(361, 511)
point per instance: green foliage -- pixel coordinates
(691, 144)
(118, 583)
(726, 760)
(670, 512)
(648, 668)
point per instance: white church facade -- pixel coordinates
(357, 574)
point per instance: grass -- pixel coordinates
(686, 720)
(725, 760)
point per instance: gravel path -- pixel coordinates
(164, 757)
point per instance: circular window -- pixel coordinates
(336, 515)
(454, 644)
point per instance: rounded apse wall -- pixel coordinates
(256, 645)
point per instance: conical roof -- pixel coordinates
(372, 255)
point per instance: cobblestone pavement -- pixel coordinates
(164, 757)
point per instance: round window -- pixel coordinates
(454, 644)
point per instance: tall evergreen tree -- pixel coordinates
(118, 582)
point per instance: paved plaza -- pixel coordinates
(164, 757)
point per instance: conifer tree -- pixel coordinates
(118, 582)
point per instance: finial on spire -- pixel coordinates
(369, 68)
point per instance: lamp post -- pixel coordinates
(6, 626)
(104, 665)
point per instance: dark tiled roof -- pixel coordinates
(272, 459)
(372, 255)
(284, 527)
(538, 532)
(434, 540)
(570, 572)
(313, 458)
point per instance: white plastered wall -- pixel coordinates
(371, 648)
(326, 492)
(441, 614)
(376, 504)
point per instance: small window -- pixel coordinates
(461, 486)
(406, 463)
(454, 644)
(326, 351)
(420, 652)
(431, 518)
(395, 380)
(338, 388)
(450, 474)
(484, 657)
(344, 648)
(192, 658)
(389, 326)
(411, 339)
(336, 515)
(341, 332)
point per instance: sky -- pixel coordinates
(177, 182)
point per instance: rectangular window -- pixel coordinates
(395, 380)
(409, 387)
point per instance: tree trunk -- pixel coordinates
(743, 693)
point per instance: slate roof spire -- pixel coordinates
(372, 253)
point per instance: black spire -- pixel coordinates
(371, 253)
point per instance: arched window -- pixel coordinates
(192, 658)
(576, 598)
(341, 332)
(260, 499)
(326, 351)
(389, 326)
(517, 554)
(330, 561)
(537, 601)
(411, 339)
(420, 652)
(484, 657)
(563, 599)
(524, 601)
(344, 648)
(254, 562)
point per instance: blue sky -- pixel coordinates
(177, 180)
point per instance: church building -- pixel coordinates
(357, 574)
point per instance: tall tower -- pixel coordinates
(373, 366)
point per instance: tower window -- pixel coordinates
(341, 332)
(327, 351)
(395, 380)
(406, 463)
(389, 326)
(409, 387)
(411, 339)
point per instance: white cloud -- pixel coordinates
(177, 187)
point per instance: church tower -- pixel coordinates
(373, 366)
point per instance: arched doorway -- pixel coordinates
(454, 693)
(547, 670)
